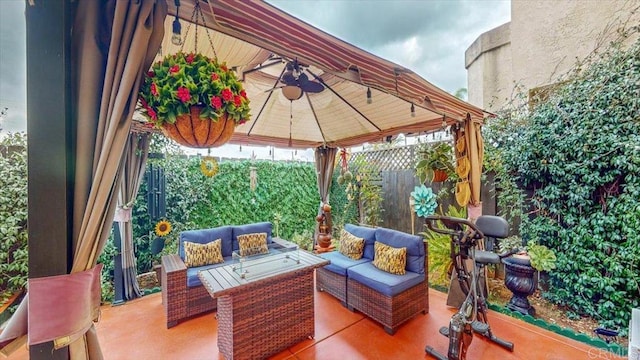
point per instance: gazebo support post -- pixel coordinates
(50, 148)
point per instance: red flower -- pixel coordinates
(183, 94)
(143, 102)
(154, 89)
(152, 113)
(242, 121)
(174, 69)
(190, 58)
(227, 95)
(151, 73)
(224, 68)
(214, 77)
(216, 102)
(243, 94)
(237, 100)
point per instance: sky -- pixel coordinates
(426, 36)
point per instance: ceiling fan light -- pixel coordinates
(292, 92)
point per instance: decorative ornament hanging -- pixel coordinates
(424, 201)
(345, 174)
(209, 166)
(253, 177)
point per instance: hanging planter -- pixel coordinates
(436, 163)
(439, 175)
(192, 131)
(194, 100)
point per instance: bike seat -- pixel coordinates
(487, 257)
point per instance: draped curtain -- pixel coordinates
(132, 32)
(133, 165)
(325, 163)
(113, 44)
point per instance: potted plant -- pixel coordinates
(520, 270)
(194, 100)
(436, 163)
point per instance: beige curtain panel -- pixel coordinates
(135, 160)
(114, 43)
(325, 162)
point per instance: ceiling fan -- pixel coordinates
(296, 82)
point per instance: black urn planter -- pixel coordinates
(520, 280)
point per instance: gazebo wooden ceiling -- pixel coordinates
(258, 40)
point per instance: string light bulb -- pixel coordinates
(369, 99)
(413, 110)
(176, 37)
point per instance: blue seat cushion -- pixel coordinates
(413, 243)
(369, 236)
(192, 273)
(261, 227)
(382, 281)
(340, 263)
(204, 236)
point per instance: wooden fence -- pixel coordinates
(398, 180)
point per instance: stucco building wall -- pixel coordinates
(543, 41)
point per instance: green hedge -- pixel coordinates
(572, 164)
(13, 214)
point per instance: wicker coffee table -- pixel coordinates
(265, 305)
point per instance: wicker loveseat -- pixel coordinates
(183, 295)
(387, 298)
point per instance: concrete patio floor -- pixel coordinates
(136, 330)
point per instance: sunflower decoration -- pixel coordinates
(209, 166)
(163, 228)
(424, 201)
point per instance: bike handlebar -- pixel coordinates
(453, 226)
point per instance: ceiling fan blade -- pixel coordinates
(312, 87)
(302, 79)
(288, 78)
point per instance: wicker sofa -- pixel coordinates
(183, 295)
(387, 298)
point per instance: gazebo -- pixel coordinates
(85, 65)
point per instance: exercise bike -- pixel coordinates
(471, 317)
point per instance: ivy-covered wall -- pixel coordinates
(570, 168)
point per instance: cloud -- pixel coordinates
(13, 90)
(428, 37)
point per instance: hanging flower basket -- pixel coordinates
(194, 100)
(192, 131)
